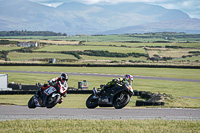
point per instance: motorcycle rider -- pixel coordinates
(54, 82)
(120, 81)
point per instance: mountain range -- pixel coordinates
(78, 18)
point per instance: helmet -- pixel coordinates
(64, 76)
(128, 78)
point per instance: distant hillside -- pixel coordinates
(186, 25)
(79, 18)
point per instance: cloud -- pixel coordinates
(52, 4)
(191, 7)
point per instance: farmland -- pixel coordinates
(177, 49)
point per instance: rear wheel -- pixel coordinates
(52, 101)
(31, 103)
(91, 103)
(121, 100)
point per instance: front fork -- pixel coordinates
(95, 93)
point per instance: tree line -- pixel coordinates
(102, 53)
(30, 33)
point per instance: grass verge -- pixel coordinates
(100, 126)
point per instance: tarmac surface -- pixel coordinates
(14, 112)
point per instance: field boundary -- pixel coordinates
(101, 65)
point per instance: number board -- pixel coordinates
(49, 90)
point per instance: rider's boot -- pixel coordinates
(60, 101)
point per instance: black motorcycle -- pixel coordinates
(117, 97)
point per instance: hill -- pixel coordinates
(185, 25)
(78, 18)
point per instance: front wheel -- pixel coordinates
(91, 103)
(121, 100)
(52, 101)
(31, 103)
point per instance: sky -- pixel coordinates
(191, 7)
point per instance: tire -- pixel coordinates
(31, 103)
(145, 103)
(91, 103)
(52, 101)
(120, 104)
(140, 103)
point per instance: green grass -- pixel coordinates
(114, 38)
(128, 44)
(15, 56)
(7, 48)
(169, 52)
(82, 48)
(109, 59)
(100, 126)
(191, 45)
(108, 43)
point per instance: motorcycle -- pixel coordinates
(117, 97)
(49, 97)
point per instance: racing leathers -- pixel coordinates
(55, 82)
(111, 84)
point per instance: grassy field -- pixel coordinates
(169, 52)
(176, 37)
(100, 126)
(16, 56)
(5, 48)
(82, 48)
(149, 45)
(176, 54)
(143, 44)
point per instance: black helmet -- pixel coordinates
(64, 76)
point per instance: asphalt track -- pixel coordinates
(23, 112)
(106, 75)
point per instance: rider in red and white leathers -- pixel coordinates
(55, 82)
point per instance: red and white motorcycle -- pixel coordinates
(49, 97)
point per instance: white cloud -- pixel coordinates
(52, 4)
